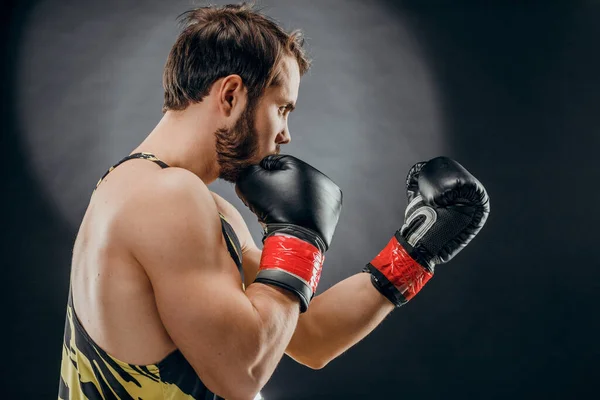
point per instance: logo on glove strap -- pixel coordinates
(425, 211)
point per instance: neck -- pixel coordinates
(186, 139)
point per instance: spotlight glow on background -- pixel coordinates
(90, 89)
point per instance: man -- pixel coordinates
(171, 298)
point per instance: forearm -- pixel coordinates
(337, 319)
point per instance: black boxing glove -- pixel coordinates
(447, 207)
(299, 208)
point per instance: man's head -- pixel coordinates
(250, 66)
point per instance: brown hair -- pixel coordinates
(219, 41)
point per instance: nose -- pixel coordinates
(284, 137)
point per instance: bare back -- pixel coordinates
(112, 294)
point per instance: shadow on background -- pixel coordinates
(521, 93)
(36, 244)
(515, 315)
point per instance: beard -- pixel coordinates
(237, 147)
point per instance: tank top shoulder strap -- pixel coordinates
(145, 156)
(233, 243)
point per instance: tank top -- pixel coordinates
(89, 372)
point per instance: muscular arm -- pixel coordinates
(221, 330)
(336, 320)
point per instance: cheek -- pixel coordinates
(269, 126)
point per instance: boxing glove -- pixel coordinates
(447, 208)
(299, 208)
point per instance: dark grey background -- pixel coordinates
(510, 91)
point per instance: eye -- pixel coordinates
(282, 110)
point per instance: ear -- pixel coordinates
(232, 95)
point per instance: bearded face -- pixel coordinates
(237, 147)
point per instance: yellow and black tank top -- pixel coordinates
(88, 372)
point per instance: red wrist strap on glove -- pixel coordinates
(405, 274)
(293, 256)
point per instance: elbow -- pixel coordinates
(244, 387)
(310, 362)
(238, 390)
(250, 381)
(317, 364)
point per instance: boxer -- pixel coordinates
(170, 298)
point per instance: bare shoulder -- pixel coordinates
(173, 192)
(179, 181)
(171, 217)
